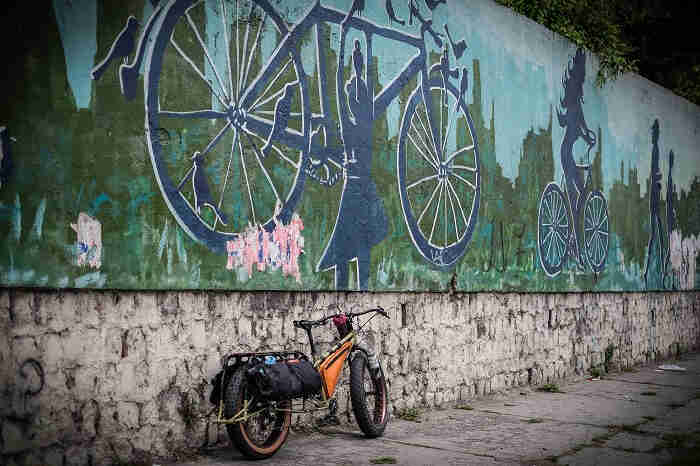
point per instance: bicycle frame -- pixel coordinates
(313, 17)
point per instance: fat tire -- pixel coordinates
(234, 395)
(366, 419)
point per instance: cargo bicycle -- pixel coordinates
(258, 414)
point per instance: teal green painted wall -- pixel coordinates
(103, 191)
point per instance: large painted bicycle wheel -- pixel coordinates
(438, 173)
(227, 114)
(553, 229)
(596, 230)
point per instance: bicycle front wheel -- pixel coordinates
(369, 396)
(227, 111)
(438, 173)
(265, 431)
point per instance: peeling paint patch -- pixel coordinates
(89, 242)
(258, 248)
(684, 253)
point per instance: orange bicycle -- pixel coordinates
(258, 421)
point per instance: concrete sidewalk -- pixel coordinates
(641, 417)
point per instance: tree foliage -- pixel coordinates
(651, 37)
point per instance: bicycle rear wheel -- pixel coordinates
(369, 396)
(262, 434)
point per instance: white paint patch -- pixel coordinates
(89, 242)
(684, 252)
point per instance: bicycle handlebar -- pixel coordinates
(315, 323)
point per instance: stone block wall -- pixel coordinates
(90, 377)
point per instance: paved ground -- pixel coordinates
(641, 417)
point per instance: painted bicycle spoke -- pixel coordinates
(549, 248)
(209, 114)
(422, 180)
(432, 163)
(247, 182)
(425, 145)
(454, 213)
(457, 152)
(453, 117)
(228, 171)
(275, 148)
(272, 113)
(241, 83)
(459, 203)
(272, 83)
(433, 136)
(428, 133)
(273, 96)
(238, 54)
(464, 167)
(437, 211)
(206, 53)
(216, 139)
(430, 201)
(255, 46)
(259, 158)
(224, 17)
(196, 70)
(463, 180)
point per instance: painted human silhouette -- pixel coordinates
(670, 210)
(571, 117)
(361, 221)
(654, 198)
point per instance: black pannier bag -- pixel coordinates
(286, 380)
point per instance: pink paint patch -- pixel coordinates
(257, 248)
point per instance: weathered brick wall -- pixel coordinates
(101, 377)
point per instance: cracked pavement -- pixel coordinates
(638, 417)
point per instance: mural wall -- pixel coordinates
(335, 144)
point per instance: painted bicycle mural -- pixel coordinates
(271, 139)
(573, 222)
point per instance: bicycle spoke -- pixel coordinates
(459, 203)
(224, 17)
(421, 152)
(272, 113)
(430, 201)
(464, 167)
(216, 139)
(247, 182)
(255, 46)
(437, 212)
(422, 180)
(467, 182)
(425, 145)
(428, 133)
(238, 55)
(272, 83)
(433, 136)
(245, 47)
(228, 171)
(194, 67)
(275, 148)
(549, 248)
(454, 214)
(209, 114)
(206, 53)
(453, 117)
(459, 151)
(259, 158)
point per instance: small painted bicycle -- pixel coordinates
(258, 426)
